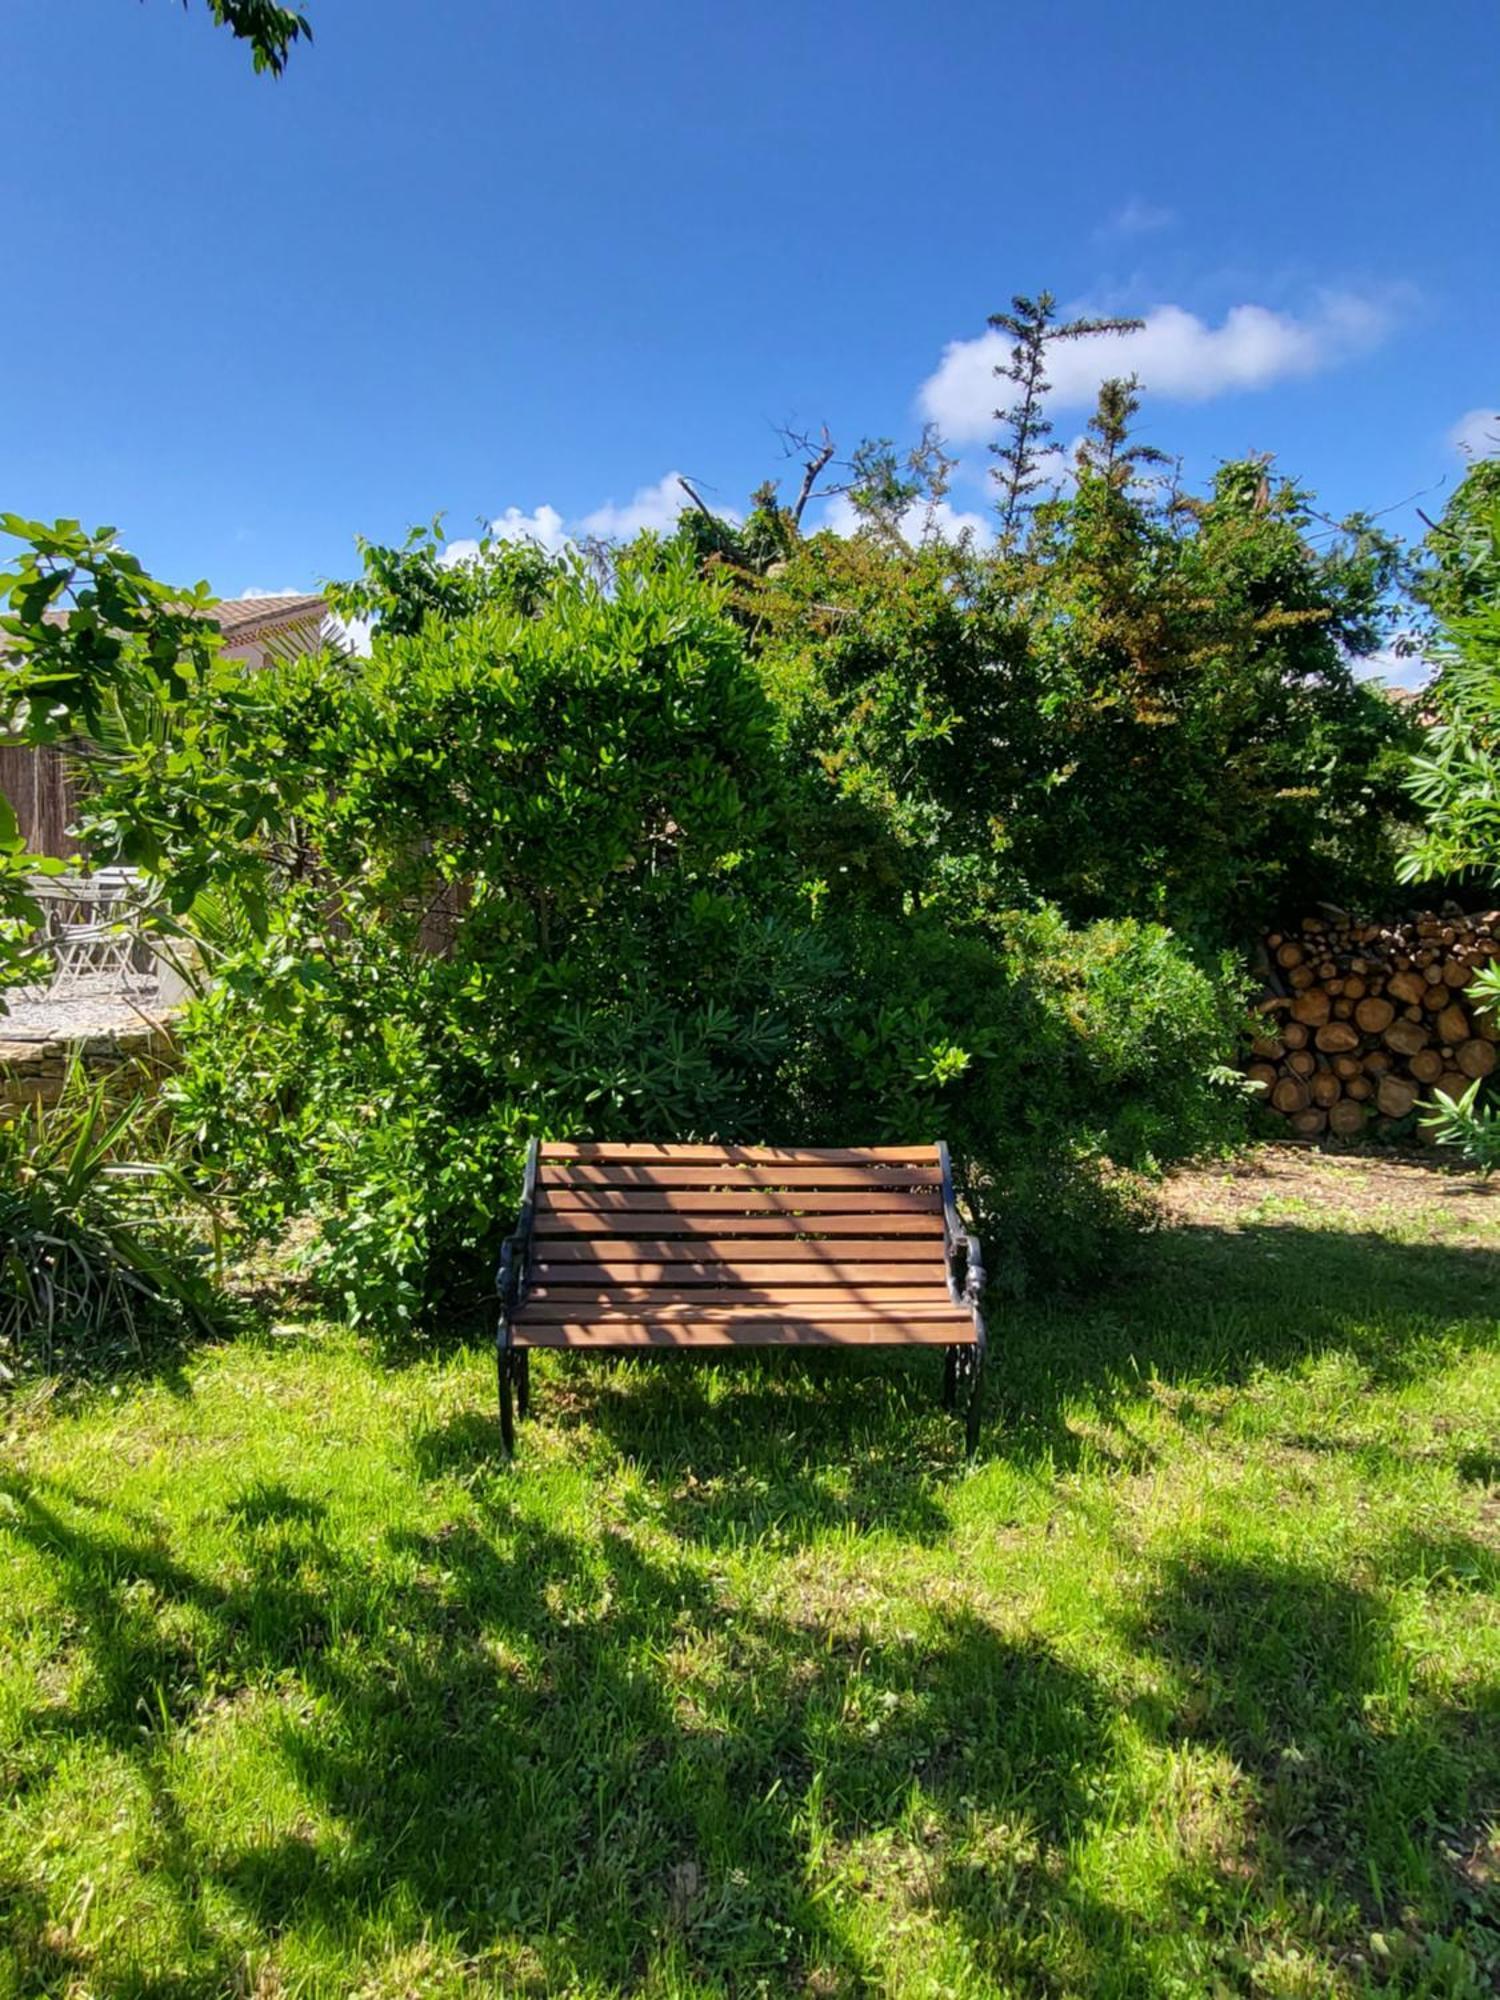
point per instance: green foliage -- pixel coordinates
(586, 793)
(881, 671)
(321, 1090)
(400, 588)
(1034, 327)
(1190, 742)
(104, 1243)
(90, 636)
(1058, 1063)
(1131, 1037)
(1145, 711)
(554, 873)
(1455, 780)
(100, 656)
(269, 28)
(1470, 1123)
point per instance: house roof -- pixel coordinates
(241, 618)
(281, 626)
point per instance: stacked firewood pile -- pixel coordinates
(1366, 1021)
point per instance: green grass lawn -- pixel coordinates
(741, 1681)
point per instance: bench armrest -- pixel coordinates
(510, 1278)
(960, 1240)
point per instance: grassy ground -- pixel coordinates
(742, 1682)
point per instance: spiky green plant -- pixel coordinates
(106, 1247)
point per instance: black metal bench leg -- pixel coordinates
(506, 1361)
(950, 1378)
(976, 1391)
(522, 1363)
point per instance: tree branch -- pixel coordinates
(822, 455)
(696, 497)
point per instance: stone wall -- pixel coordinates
(33, 1070)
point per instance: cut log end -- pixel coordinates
(1359, 1018)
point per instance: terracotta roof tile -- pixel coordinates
(237, 617)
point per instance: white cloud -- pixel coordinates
(654, 507)
(351, 632)
(943, 522)
(1477, 434)
(291, 590)
(545, 527)
(1395, 668)
(1175, 354)
(1139, 218)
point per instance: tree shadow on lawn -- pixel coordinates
(794, 1443)
(1356, 1783)
(1200, 1305)
(782, 1452)
(567, 1761)
(564, 1760)
(1207, 1306)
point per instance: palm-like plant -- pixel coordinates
(103, 1249)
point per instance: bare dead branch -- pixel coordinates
(820, 457)
(696, 497)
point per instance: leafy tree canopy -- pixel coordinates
(268, 28)
(1143, 706)
(399, 589)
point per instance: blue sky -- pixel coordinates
(477, 257)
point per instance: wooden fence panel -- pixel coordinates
(41, 788)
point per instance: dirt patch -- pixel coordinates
(1297, 1184)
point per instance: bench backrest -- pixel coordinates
(645, 1225)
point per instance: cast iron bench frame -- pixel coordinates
(861, 1227)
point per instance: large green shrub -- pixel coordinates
(586, 786)
(1066, 1067)
(1143, 709)
(591, 785)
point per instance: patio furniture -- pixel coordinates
(621, 1248)
(90, 928)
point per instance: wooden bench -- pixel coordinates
(630, 1247)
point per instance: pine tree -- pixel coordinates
(1107, 447)
(1033, 326)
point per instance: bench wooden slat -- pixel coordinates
(926, 1249)
(733, 1271)
(583, 1225)
(747, 1330)
(606, 1154)
(754, 1201)
(807, 1305)
(664, 1174)
(794, 1301)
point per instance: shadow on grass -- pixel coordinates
(1204, 1304)
(570, 1760)
(1215, 1306)
(573, 1762)
(1357, 1781)
(566, 1760)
